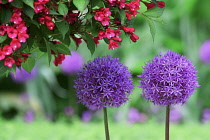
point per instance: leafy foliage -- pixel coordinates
(34, 26)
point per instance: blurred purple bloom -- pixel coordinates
(24, 97)
(72, 63)
(168, 79)
(103, 82)
(175, 116)
(29, 116)
(68, 110)
(206, 115)
(86, 116)
(205, 52)
(135, 116)
(22, 75)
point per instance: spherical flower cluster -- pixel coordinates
(204, 52)
(104, 82)
(22, 76)
(72, 63)
(168, 79)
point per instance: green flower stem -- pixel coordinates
(167, 122)
(106, 124)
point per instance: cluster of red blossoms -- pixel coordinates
(103, 15)
(41, 8)
(17, 32)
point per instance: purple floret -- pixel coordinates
(103, 82)
(168, 79)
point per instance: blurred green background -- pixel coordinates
(46, 107)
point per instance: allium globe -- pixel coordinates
(204, 52)
(72, 63)
(103, 82)
(22, 75)
(168, 79)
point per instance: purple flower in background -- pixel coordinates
(24, 97)
(29, 116)
(86, 116)
(103, 82)
(68, 110)
(135, 116)
(206, 115)
(168, 79)
(22, 75)
(205, 52)
(175, 116)
(72, 63)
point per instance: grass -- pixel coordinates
(42, 130)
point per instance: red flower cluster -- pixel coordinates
(161, 4)
(71, 17)
(17, 33)
(131, 31)
(103, 15)
(112, 35)
(41, 8)
(130, 7)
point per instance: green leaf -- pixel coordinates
(89, 16)
(154, 12)
(152, 27)
(90, 43)
(29, 3)
(62, 48)
(29, 64)
(6, 14)
(28, 11)
(3, 68)
(106, 40)
(48, 50)
(159, 20)
(17, 3)
(81, 4)
(62, 9)
(63, 27)
(2, 38)
(52, 12)
(122, 16)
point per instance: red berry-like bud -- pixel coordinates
(134, 37)
(9, 62)
(50, 25)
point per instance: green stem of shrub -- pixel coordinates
(106, 124)
(167, 122)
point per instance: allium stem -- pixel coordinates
(167, 122)
(106, 124)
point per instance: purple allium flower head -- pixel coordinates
(175, 116)
(72, 63)
(86, 116)
(68, 110)
(135, 116)
(22, 75)
(168, 79)
(205, 52)
(206, 115)
(29, 116)
(103, 82)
